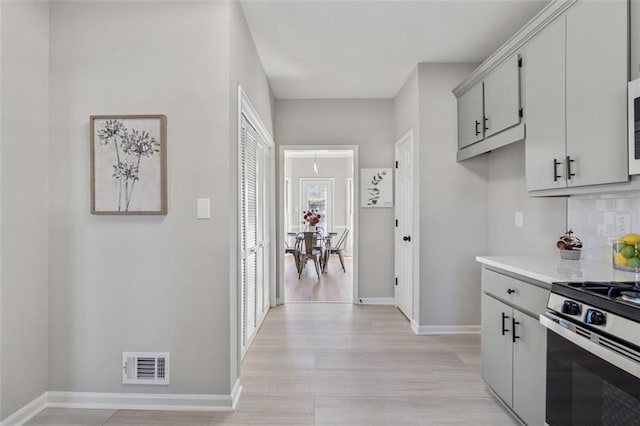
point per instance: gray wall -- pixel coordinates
(148, 283)
(453, 205)
(337, 168)
(545, 219)
(24, 36)
(370, 124)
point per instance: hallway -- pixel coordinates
(339, 364)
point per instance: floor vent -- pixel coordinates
(145, 368)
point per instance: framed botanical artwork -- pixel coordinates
(129, 164)
(376, 187)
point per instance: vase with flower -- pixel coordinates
(311, 218)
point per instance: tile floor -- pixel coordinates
(338, 364)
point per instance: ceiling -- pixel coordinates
(367, 48)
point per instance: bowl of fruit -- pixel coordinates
(570, 246)
(626, 253)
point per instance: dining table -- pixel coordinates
(325, 247)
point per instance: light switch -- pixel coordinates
(519, 220)
(204, 208)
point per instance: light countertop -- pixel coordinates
(550, 269)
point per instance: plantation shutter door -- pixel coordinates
(250, 168)
(255, 156)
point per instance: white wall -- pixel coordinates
(24, 34)
(545, 219)
(147, 283)
(453, 205)
(368, 123)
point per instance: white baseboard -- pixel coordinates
(141, 401)
(376, 301)
(27, 412)
(125, 401)
(425, 330)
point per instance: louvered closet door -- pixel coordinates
(254, 282)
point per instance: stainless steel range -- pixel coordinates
(593, 353)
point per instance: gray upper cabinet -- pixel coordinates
(597, 75)
(470, 115)
(575, 99)
(489, 111)
(545, 148)
(634, 67)
(502, 97)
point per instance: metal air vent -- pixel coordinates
(145, 368)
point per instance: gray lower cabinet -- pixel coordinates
(514, 346)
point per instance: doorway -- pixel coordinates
(321, 179)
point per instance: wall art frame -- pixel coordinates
(376, 187)
(128, 164)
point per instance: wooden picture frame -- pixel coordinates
(128, 164)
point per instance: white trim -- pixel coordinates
(377, 301)
(330, 200)
(27, 412)
(144, 401)
(235, 394)
(546, 16)
(123, 401)
(426, 330)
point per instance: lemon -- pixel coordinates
(620, 260)
(630, 239)
(634, 262)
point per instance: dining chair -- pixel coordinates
(339, 249)
(308, 252)
(292, 251)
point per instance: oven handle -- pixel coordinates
(561, 327)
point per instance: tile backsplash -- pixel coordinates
(599, 220)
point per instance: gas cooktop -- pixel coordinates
(621, 298)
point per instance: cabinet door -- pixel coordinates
(529, 369)
(502, 97)
(545, 108)
(496, 347)
(597, 69)
(470, 115)
(634, 9)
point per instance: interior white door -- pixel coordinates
(404, 225)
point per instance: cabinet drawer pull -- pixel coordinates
(569, 161)
(514, 336)
(556, 176)
(504, 317)
(477, 129)
(510, 291)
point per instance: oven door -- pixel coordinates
(584, 387)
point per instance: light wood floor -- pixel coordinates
(339, 364)
(335, 285)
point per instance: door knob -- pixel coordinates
(406, 238)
